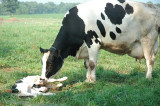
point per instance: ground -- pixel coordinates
(120, 79)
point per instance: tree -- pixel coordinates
(10, 6)
(158, 4)
(149, 2)
(13, 6)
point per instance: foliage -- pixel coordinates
(10, 6)
(158, 5)
(120, 79)
(40, 8)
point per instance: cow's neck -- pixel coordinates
(71, 35)
(60, 44)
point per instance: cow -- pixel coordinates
(117, 26)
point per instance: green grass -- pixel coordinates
(120, 79)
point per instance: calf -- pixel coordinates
(118, 26)
(35, 85)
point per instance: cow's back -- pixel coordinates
(119, 24)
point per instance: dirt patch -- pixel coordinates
(9, 20)
(1, 19)
(6, 91)
(8, 69)
(13, 20)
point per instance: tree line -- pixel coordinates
(15, 7)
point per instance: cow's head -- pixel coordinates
(51, 61)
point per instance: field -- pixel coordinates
(120, 79)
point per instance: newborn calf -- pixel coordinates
(34, 85)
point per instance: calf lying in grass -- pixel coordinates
(34, 85)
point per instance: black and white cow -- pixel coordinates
(118, 26)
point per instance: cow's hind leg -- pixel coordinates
(150, 48)
(150, 60)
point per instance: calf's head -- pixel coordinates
(51, 61)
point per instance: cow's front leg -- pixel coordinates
(91, 69)
(91, 63)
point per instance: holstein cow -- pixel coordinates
(118, 26)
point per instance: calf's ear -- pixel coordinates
(41, 50)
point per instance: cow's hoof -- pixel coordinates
(149, 76)
(90, 81)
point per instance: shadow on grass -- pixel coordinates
(118, 78)
(111, 76)
(115, 77)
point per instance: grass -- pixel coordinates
(120, 79)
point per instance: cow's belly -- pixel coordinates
(134, 49)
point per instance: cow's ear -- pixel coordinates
(43, 50)
(57, 53)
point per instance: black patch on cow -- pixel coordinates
(112, 35)
(102, 16)
(14, 89)
(71, 35)
(129, 9)
(158, 30)
(101, 28)
(115, 13)
(89, 37)
(118, 30)
(121, 1)
(20, 81)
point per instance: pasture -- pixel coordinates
(120, 79)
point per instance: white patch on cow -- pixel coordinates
(44, 60)
(82, 53)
